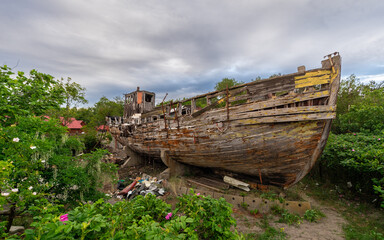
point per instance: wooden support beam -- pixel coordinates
(193, 105)
(209, 107)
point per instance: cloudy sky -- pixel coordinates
(184, 47)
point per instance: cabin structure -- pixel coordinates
(138, 102)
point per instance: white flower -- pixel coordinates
(43, 161)
(16, 140)
(4, 194)
(30, 188)
(107, 195)
(32, 147)
(34, 193)
(15, 190)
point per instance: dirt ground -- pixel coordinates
(329, 227)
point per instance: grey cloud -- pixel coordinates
(185, 47)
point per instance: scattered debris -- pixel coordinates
(141, 186)
(236, 183)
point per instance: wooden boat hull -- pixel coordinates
(276, 140)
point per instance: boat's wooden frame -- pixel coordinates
(274, 129)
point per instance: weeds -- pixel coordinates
(364, 220)
(313, 215)
(270, 232)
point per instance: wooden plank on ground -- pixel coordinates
(204, 185)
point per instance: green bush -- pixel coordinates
(91, 141)
(146, 217)
(357, 158)
(212, 218)
(37, 166)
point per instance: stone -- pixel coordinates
(16, 229)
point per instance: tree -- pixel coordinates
(36, 156)
(226, 82)
(23, 96)
(275, 75)
(256, 79)
(105, 107)
(360, 107)
(74, 93)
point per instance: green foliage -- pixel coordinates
(286, 217)
(74, 93)
(275, 75)
(36, 156)
(355, 233)
(91, 140)
(357, 158)
(226, 83)
(355, 102)
(313, 215)
(254, 211)
(244, 205)
(271, 232)
(105, 107)
(23, 96)
(212, 218)
(142, 218)
(272, 196)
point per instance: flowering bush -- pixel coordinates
(142, 218)
(357, 158)
(212, 218)
(37, 166)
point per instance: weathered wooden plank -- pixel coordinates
(209, 107)
(289, 118)
(275, 136)
(274, 112)
(335, 64)
(312, 81)
(280, 101)
(316, 73)
(204, 185)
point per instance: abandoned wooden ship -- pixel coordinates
(272, 129)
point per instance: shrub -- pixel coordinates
(313, 215)
(146, 217)
(357, 158)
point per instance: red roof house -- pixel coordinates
(103, 128)
(74, 126)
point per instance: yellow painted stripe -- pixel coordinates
(313, 78)
(314, 74)
(312, 82)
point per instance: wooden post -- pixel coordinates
(193, 105)
(180, 108)
(208, 100)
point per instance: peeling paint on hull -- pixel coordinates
(275, 137)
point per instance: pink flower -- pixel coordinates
(197, 194)
(354, 134)
(353, 150)
(378, 139)
(169, 215)
(64, 218)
